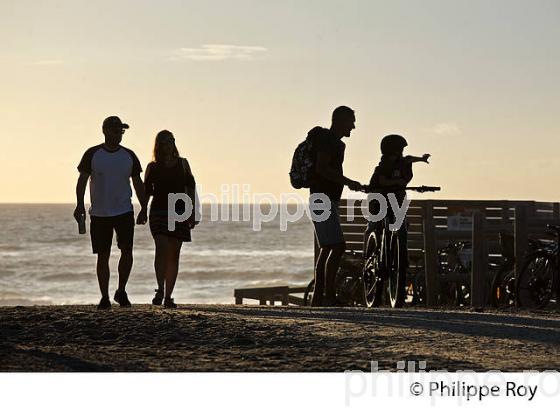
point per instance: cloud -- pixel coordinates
(217, 52)
(445, 129)
(48, 62)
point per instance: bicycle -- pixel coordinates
(503, 288)
(415, 283)
(539, 279)
(385, 263)
(453, 275)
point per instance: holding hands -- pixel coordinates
(142, 217)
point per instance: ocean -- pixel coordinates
(43, 259)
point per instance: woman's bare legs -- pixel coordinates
(171, 264)
(159, 261)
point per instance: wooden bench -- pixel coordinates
(272, 294)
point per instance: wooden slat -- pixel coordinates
(544, 205)
(441, 212)
(353, 236)
(357, 216)
(479, 261)
(540, 223)
(256, 293)
(297, 289)
(353, 228)
(466, 203)
(360, 220)
(295, 300)
(415, 228)
(521, 234)
(430, 256)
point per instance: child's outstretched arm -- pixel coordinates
(412, 159)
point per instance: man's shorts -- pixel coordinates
(102, 227)
(329, 232)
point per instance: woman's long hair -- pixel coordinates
(157, 156)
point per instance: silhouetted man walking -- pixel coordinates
(109, 167)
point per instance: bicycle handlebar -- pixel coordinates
(421, 189)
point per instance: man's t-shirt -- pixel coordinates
(109, 184)
(323, 140)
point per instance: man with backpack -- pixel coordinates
(317, 165)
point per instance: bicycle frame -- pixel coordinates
(381, 265)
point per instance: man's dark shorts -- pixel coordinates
(102, 227)
(329, 232)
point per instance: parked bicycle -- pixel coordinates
(455, 274)
(385, 262)
(453, 277)
(539, 281)
(503, 287)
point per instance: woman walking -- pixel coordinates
(168, 173)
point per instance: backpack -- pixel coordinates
(303, 161)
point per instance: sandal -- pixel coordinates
(169, 303)
(158, 298)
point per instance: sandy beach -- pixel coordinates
(266, 338)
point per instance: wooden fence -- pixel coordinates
(434, 223)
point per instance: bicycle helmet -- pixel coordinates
(392, 144)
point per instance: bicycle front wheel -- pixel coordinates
(535, 284)
(372, 280)
(397, 271)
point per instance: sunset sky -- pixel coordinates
(239, 83)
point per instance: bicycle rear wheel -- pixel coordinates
(502, 290)
(397, 271)
(536, 283)
(373, 282)
(419, 283)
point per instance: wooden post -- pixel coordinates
(238, 300)
(316, 250)
(505, 213)
(430, 255)
(479, 261)
(521, 232)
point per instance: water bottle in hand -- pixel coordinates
(82, 224)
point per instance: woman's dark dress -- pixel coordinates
(161, 181)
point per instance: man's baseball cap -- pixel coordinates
(114, 121)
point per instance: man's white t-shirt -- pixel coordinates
(109, 184)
